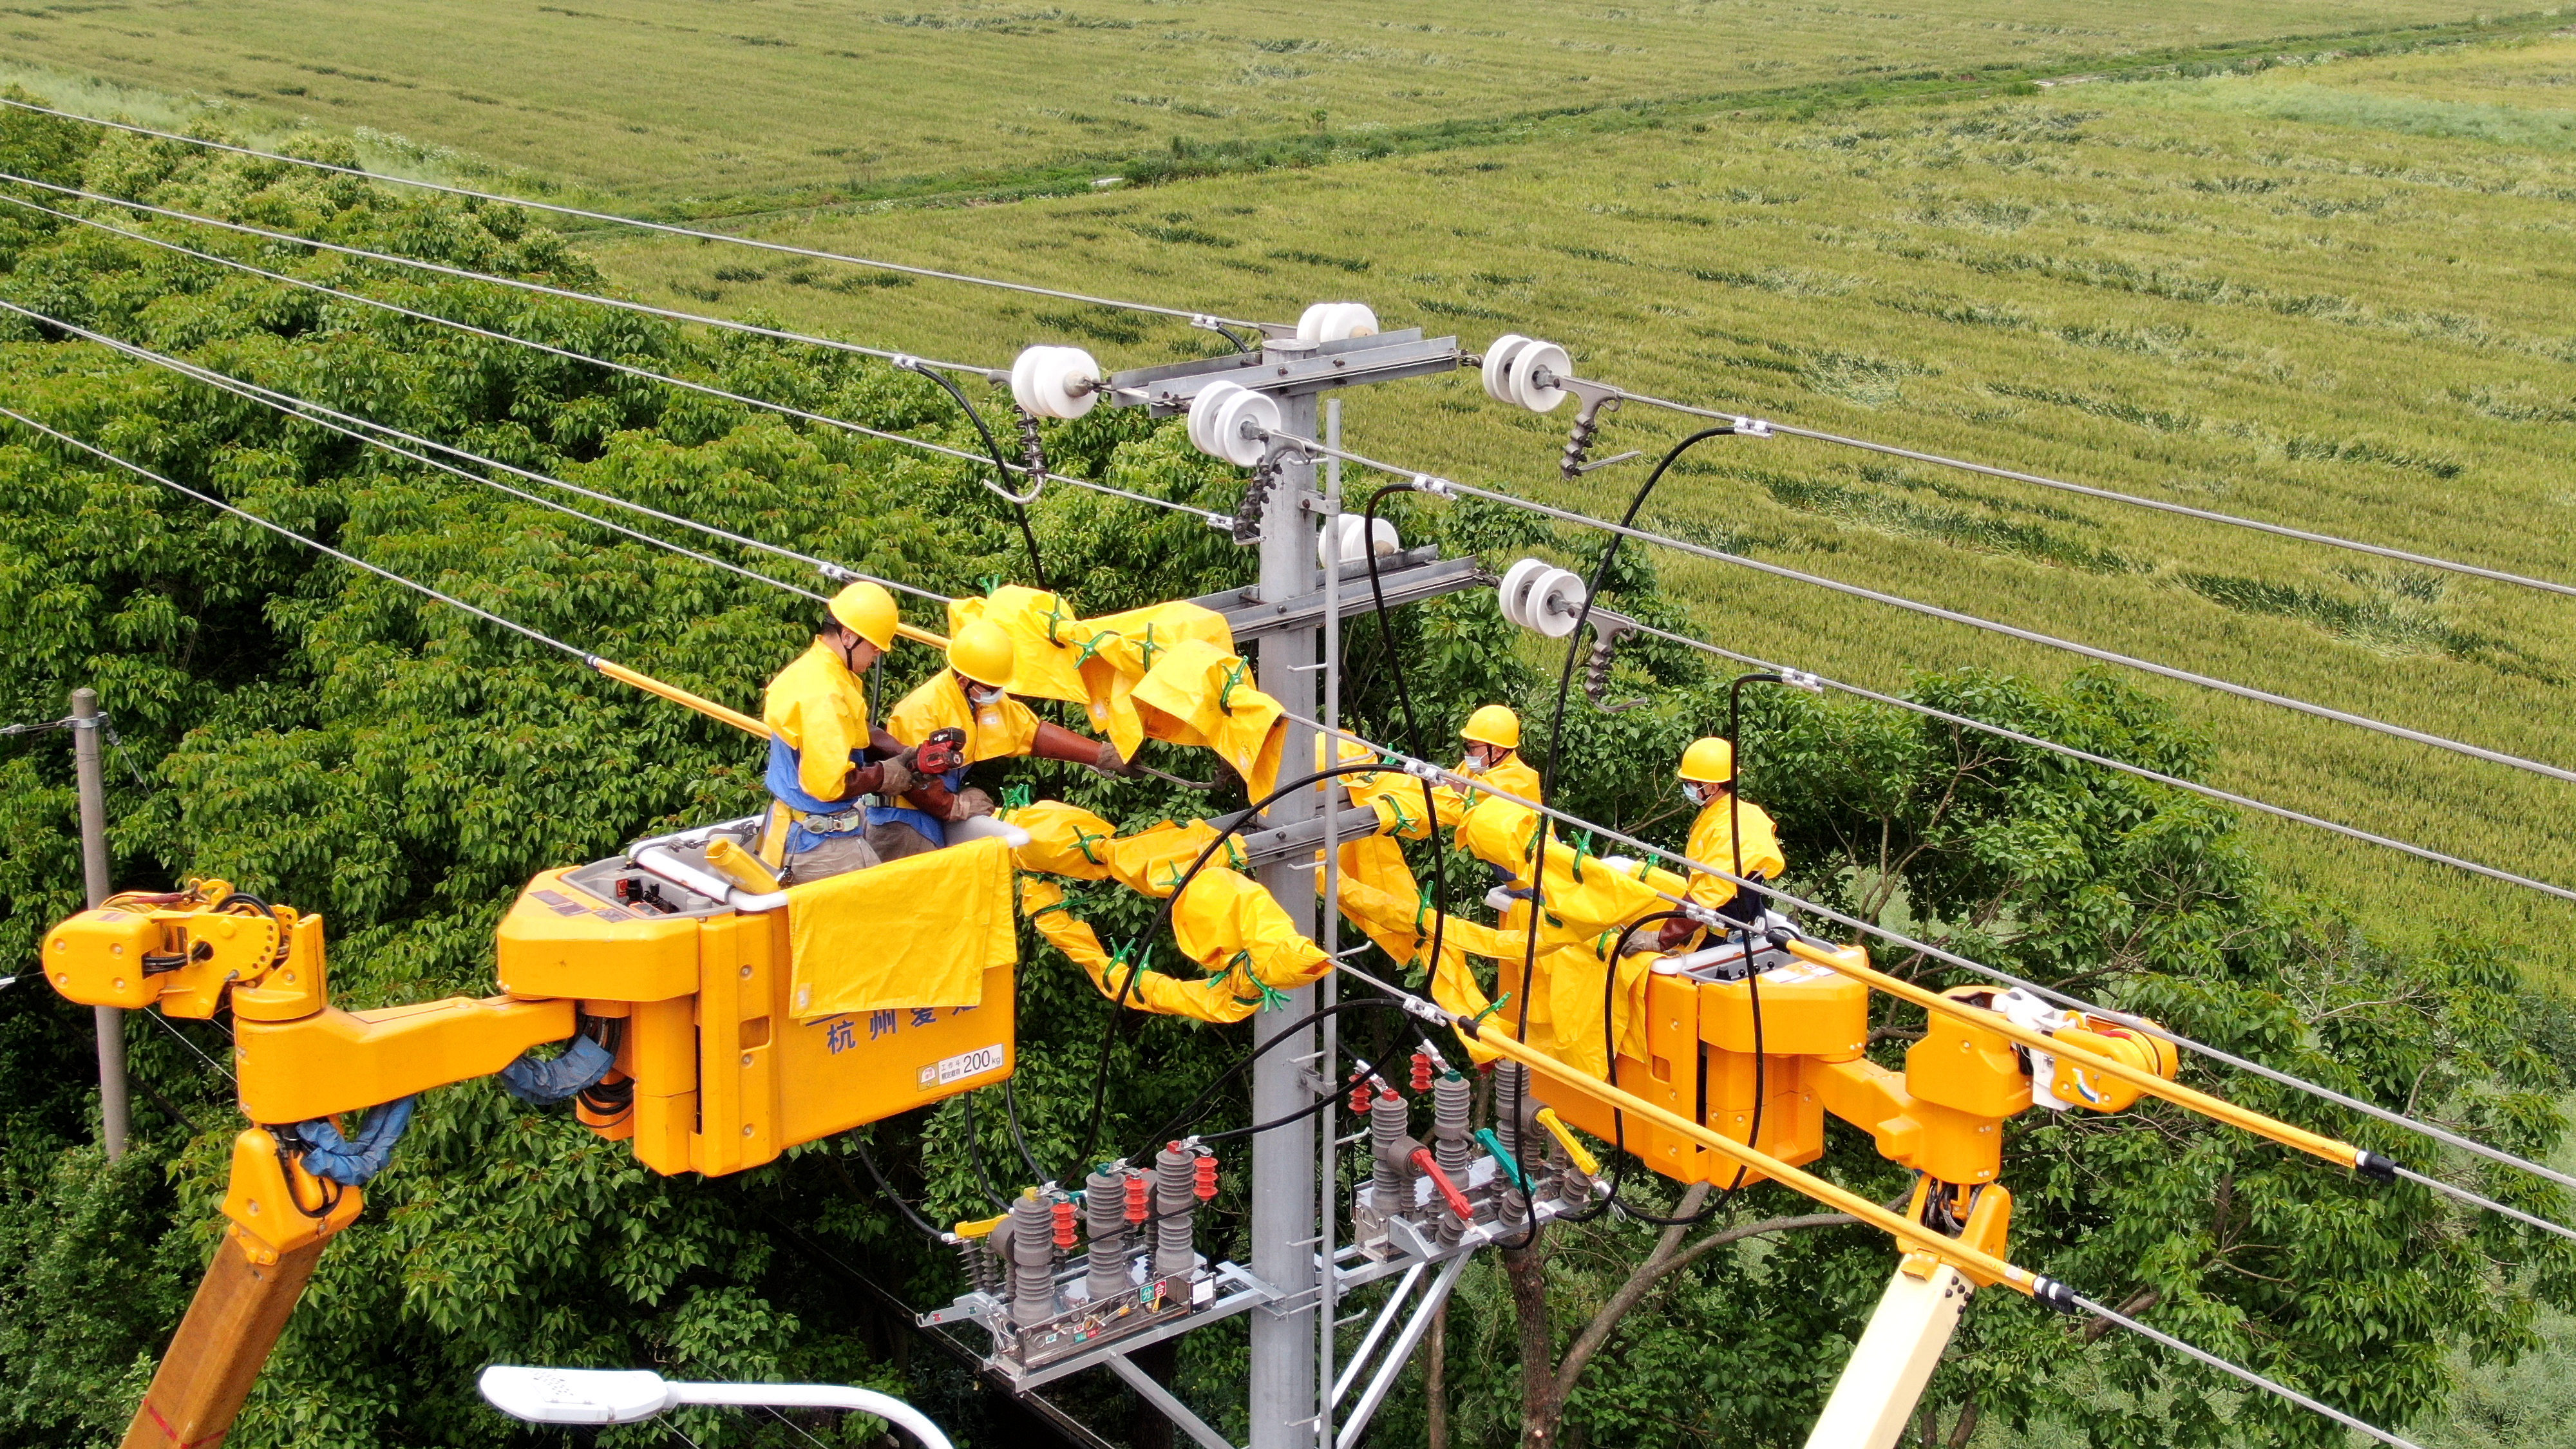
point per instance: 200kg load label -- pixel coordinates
(962, 1066)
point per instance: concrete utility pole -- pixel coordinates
(1285, 1235)
(85, 724)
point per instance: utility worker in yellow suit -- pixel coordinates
(971, 697)
(1731, 833)
(1493, 736)
(817, 712)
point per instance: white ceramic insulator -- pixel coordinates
(1203, 410)
(1347, 529)
(1553, 602)
(1515, 585)
(1337, 322)
(1240, 429)
(1055, 382)
(1498, 363)
(1526, 365)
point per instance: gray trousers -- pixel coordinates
(833, 855)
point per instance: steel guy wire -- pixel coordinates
(518, 283)
(2142, 772)
(1432, 1011)
(1770, 426)
(2269, 1386)
(899, 359)
(198, 1051)
(1197, 319)
(2013, 631)
(287, 402)
(1445, 487)
(1991, 973)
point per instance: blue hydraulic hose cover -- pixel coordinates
(545, 1083)
(355, 1161)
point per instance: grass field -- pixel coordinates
(666, 100)
(2285, 295)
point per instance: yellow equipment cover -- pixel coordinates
(918, 932)
(1198, 695)
(1151, 862)
(1212, 999)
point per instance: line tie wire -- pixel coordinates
(2011, 631)
(288, 402)
(1215, 520)
(1418, 1005)
(1996, 974)
(2205, 515)
(2142, 772)
(665, 228)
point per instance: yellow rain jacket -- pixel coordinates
(1002, 729)
(819, 709)
(1064, 839)
(1510, 774)
(1712, 842)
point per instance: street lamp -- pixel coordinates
(623, 1396)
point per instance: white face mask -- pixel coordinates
(980, 695)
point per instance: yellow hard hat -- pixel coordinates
(1494, 724)
(1709, 761)
(866, 610)
(982, 652)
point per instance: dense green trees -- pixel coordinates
(331, 739)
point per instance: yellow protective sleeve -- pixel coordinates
(1712, 842)
(1043, 635)
(1151, 862)
(1208, 1000)
(1004, 729)
(1227, 923)
(1064, 839)
(1196, 695)
(916, 932)
(820, 710)
(1115, 652)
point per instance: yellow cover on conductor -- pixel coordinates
(915, 932)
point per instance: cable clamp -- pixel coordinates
(909, 363)
(1752, 428)
(1422, 770)
(837, 574)
(1436, 487)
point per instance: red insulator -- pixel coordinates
(1207, 1176)
(1360, 1100)
(1137, 1190)
(1422, 1071)
(1064, 1225)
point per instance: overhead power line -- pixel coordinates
(2010, 631)
(2142, 772)
(315, 412)
(467, 274)
(693, 233)
(900, 359)
(1996, 974)
(1771, 426)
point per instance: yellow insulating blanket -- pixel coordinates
(1196, 694)
(1115, 652)
(1064, 839)
(1582, 897)
(916, 932)
(1224, 922)
(1211, 999)
(1151, 862)
(1379, 895)
(1045, 665)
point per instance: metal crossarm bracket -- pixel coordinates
(1407, 578)
(1286, 367)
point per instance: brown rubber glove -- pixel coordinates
(1676, 934)
(1110, 762)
